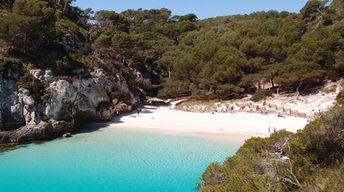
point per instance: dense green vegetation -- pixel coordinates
(261, 94)
(229, 56)
(311, 160)
(36, 31)
(224, 57)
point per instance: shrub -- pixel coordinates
(174, 88)
(36, 87)
(326, 142)
(331, 89)
(261, 94)
(340, 98)
(9, 64)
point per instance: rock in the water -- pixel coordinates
(66, 135)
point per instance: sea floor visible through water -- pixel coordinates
(107, 159)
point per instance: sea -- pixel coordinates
(113, 160)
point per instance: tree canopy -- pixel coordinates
(224, 57)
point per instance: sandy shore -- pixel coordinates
(243, 125)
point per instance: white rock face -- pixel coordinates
(61, 93)
(99, 72)
(65, 103)
(29, 108)
(67, 99)
(91, 92)
(15, 108)
(48, 75)
(42, 75)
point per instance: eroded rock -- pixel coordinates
(67, 104)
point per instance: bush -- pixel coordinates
(249, 169)
(314, 157)
(174, 88)
(36, 87)
(325, 142)
(340, 98)
(261, 94)
(331, 89)
(9, 64)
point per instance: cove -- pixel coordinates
(116, 160)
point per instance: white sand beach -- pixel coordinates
(236, 124)
(307, 106)
(170, 120)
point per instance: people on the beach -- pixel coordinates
(138, 110)
(281, 116)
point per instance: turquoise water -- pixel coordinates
(113, 160)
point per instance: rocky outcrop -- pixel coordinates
(32, 132)
(11, 116)
(27, 103)
(42, 75)
(67, 104)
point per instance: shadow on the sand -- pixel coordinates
(88, 128)
(150, 107)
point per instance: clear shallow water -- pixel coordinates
(112, 160)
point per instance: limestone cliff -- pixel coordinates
(67, 103)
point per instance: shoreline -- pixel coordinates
(240, 125)
(222, 136)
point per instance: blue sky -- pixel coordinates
(202, 8)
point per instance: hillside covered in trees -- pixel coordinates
(227, 57)
(171, 56)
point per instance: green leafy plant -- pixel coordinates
(261, 94)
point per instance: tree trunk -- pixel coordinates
(169, 74)
(298, 88)
(66, 2)
(278, 90)
(272, 83)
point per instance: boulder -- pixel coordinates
(66, 135)
(120, 108)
